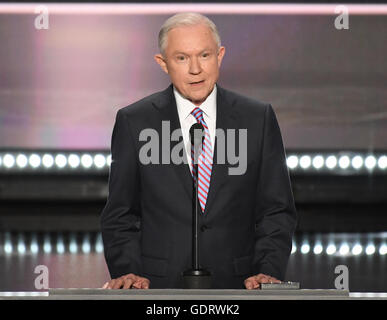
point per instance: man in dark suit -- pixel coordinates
(247, 220)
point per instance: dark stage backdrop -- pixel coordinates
(60, 88)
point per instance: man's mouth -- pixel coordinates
(197, 83)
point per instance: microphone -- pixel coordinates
(196, 278)
(196, 133)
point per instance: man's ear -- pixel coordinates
(221, 52)
(161, 61)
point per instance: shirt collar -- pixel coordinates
(184, 106)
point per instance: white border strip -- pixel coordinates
(211, 8)
(24, 294)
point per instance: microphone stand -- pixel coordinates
(197, 277)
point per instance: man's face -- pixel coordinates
(192, 61)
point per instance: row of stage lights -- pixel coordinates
(343, 250)
(10, 161)
(47, 161)
(341, 162)
(73, 245)
(49, 245)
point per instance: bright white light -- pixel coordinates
(357, 249)
(331, 249)
(370, 249)
(292, 162)
(318, 162)
(34, 248)
(370, 162)
(8, 160)
(294, 248)
(47, 245)
(60, 160)
(21, 161)
(34, 160)
(305, 162)
(8, 247)
(99, 247)
(60, 248)
(1, 161)
(109, 160)
(357, 162)
(382, 162)
(344, 162)
(317, 249)
(73, 248)
(383, 249)
(344, 249)
(99, 244)
(86, 247)
(99, 160)
(331, 162)
(48, 160)
(305, 248)
(21, 248)
(74, 160)
(87, 161)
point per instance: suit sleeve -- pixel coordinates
(275, 216)
(121, 216)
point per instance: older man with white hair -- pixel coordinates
(246, 221)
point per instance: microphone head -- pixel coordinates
(196, 139)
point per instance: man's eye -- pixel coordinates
(205, 55)
(181, 58)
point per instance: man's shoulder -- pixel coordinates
(244, 101)
(143, 106)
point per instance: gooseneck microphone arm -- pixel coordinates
(197, 277)
(197, 136)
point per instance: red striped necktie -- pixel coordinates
(204, 161)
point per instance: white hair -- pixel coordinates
(185, 19)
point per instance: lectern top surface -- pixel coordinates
(192, 294)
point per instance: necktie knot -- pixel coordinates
(198, 114)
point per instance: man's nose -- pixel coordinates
(195, 66)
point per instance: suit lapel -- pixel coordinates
(166, 104)
(225, 119)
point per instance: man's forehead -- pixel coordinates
(189, 33)
(181, 40)
(200, 27)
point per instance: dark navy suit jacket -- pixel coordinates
(249, 219)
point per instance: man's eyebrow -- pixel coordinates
(178, 52)
(181, 52)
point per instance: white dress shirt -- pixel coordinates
(184, 109)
